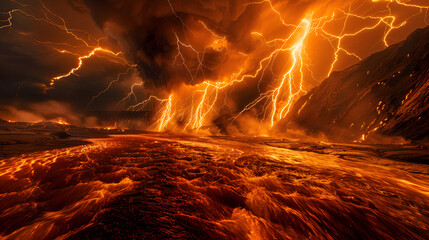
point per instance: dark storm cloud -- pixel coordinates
(146, 31)
(26, 70)
(28, 63)
(78, 6)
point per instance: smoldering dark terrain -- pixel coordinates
(89, 185)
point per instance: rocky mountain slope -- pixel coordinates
(385, 94)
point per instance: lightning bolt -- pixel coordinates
(205, 99)
(132, 67)
(281, 108)
(80, 62)
(166, 114)
(163, 116)
(47, 18)
(279, 100)
(130, 94)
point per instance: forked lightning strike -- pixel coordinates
(287, 84)
(94, 49)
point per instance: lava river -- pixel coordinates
(165, 186)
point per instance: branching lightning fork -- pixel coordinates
(286, 85)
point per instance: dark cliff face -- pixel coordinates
(387, 93)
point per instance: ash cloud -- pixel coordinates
(147, 30)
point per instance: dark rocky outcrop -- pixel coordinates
(385, 94)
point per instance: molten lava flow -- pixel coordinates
(277, 64)
(188, 187)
